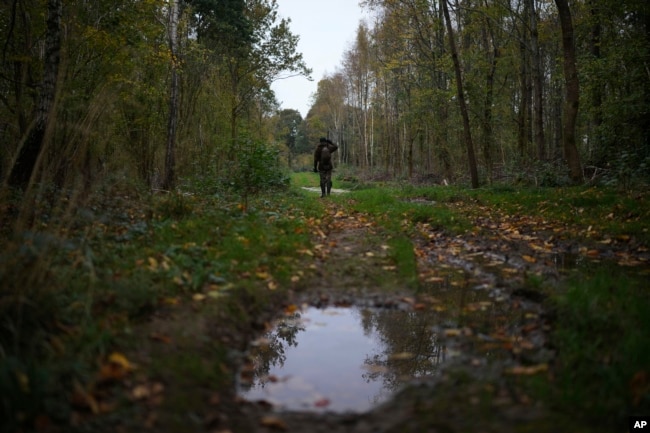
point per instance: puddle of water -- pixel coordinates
(341, 359)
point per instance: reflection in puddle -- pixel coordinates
(341, 359)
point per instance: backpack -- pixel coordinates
(325, 159)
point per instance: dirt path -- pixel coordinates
(491, 325)
(494, 338)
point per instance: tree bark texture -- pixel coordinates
(572, 93)
(461, 99)
(170, 154)
(28, 154)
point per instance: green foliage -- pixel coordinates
(601, 329)
(399, 208)
(627, 171)
(70, 297)
(257, 168)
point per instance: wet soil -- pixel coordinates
(492, 325)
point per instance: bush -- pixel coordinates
(256, 168)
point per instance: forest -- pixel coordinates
(473, 92)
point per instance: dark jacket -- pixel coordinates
(320, 163)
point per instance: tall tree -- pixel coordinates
(170, 154)
(473, 170)
(287, 130)
(572, 92)
(538, 88)
(25, 163)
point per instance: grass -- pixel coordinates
(601, 334)
(73, 292)
(602, 312)
(69, 297)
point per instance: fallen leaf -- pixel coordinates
(273, 422)
(82, 399)
(153, 264)
(120, 360)
(521, 370)
(529, 259)
(170, 301)
(160, 337)
(116, 368)
(401, 356)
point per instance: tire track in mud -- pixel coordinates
(493, 328)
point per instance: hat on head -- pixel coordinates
(323, 139)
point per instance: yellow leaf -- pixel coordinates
(153, 263)
(170, 301)
(198, 297)
(120, 360)
(272, 285)
(452, 332)
(273, 422)
(262, 275)
(529, 259)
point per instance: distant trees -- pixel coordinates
(548, 88)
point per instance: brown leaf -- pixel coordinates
(160, 337)
(529, 259)
(521, 370)
(83, 399)
(273, 422)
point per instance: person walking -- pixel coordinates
(323, 164)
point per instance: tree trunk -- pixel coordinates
(597, 89)
(170, 155)
(461, 100)
(25, 164)
(538, 103)
(572, 93)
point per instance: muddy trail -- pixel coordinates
(483, 329)
(457, 345)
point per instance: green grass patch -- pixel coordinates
(601, 334)
(401, 252)
(73, 292)
(399, 208)
(607, 211)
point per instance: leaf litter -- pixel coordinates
(489, 323)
